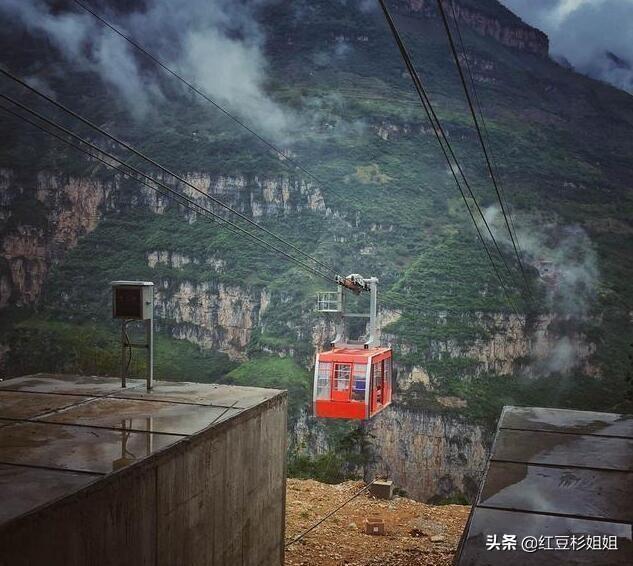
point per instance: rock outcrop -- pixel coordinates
(213, 315)
(508, 30)
(69, 207)
(61, 210)
(431, 456)
(509, 346)
(254, 196)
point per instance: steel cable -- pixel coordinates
(161, 167)
(238, 228)
(283, 157)
(484, 124)
(440, 135)
(480, 136)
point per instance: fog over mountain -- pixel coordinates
(594, 36)
(216, 44)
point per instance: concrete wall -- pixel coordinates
(213, 499)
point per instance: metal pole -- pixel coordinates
(373, 311)
(123, 355)
(149, 340)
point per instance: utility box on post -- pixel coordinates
(132, 301)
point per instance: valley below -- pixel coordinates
(381, 202)
(415, 533)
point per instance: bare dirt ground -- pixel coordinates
(416, 533)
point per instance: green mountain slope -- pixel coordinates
(562, 144)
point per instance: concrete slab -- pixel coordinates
(90, 385)
(24, 489)
(587, 493)
(142, 415)
(25, 405)
(561, 449)
(201, 394)
(555, 476)
(561, 420)
(489, 522)
(94, 474)
(76, 448)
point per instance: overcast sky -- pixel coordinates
(583, 31)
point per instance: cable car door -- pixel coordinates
(341, 381)
(377, 386)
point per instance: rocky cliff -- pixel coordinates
(61, 209)
(254, 196)
(511, 345)
(213, 315)
(431, 456)
(487, 20)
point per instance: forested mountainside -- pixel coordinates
(324, 81)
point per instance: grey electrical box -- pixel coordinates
(133, 300)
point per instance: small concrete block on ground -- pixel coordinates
(382, 489)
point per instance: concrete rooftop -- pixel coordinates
(555, 474)
(59, 433)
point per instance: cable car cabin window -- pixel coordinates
(342, 375)
(359, 383)
(323, 380)
(387, 363)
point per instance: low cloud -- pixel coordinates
(567, 264)
(594, 36)
(217, 44)
(81, 42)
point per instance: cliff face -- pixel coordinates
(70, 207)
(509, 32)
(67, 208)
(214, 316)
(427, 454)
(254, 196)
(510, 346)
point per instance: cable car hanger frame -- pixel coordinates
(352, 380)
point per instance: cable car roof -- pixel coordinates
(352, 354)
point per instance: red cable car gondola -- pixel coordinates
(353, 380)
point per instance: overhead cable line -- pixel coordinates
(480, 136)
(160, 188)
(441, 138)
(162, 168)
(283, 156)
(197, 206)
(154, 186)
(285, 159)
(484, 124)
(439, 132)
